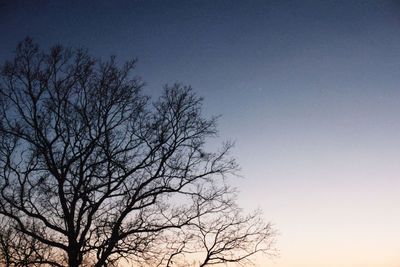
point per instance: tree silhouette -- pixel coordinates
(93, 172)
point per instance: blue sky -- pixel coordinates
(308, 90)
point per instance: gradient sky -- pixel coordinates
(309, 90)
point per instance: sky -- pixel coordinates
(308, 90)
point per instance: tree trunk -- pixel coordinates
(73, 257)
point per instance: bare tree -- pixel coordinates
(234, 238)
(92, 172)
(223, 236)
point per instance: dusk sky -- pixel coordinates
(308, 90)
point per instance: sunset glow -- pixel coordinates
(309, 91)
